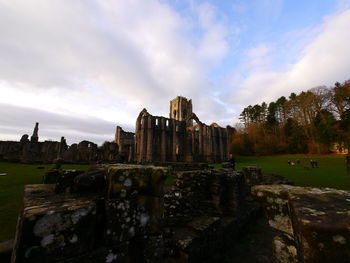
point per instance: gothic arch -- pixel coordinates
(194, 117)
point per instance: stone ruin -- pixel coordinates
(126, 213)
(126, 143)
(313, 223)
(177, 139)
(34, 151)
(156, 139)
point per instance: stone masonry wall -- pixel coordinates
(48, 151)
(123, 213)
(314, 223)
(159, 139)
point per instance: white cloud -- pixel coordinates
(20, 120)
(325, 60)
(213, 45)
(106, 59)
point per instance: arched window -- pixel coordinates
(174, 113)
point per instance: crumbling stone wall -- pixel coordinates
(34, 151)
(48, 151)
(119, 221)
(159, 139)
(121, 213)
(28, 152)
(126, 143)
(314, 223)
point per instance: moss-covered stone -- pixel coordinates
(317, 219)
(127, 181)
(53, 227)
(284, 250)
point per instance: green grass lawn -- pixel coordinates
(11, 191)
(331, 171)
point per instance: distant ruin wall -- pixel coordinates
(126, 144)
(48, 151)
(160, 139)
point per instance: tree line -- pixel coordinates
(313, 121)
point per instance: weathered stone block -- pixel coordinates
(127, 181)
(318, 219)
(321, 224)
(252, 175)
(65, 180)
(90, 182)
(51, 176)
(284, 250)
(127, 219)
(276, 207)
(228, 191)
(53, 227)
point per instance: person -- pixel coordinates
(288, 162)
(232, 161)
(298, 162)
(316, 163)
(312, 163)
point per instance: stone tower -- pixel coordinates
(35, 136)
(180, 109)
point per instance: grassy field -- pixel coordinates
(331, 171)
(11, 190)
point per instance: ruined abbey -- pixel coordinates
(127, 213)
(180, 138)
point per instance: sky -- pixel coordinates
(82, 67)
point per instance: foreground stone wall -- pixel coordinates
(119, 221)
(314, 223)
(123, 213)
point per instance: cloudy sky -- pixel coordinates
(82, 67)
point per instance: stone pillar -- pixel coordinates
(62, 147)
(175, 142)
(143, 142)
(221, 150)
(137, 140)
(214, 144)
(163, 140)
(205, 143)
(35, 137)
(150, 125)
(200, 142)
